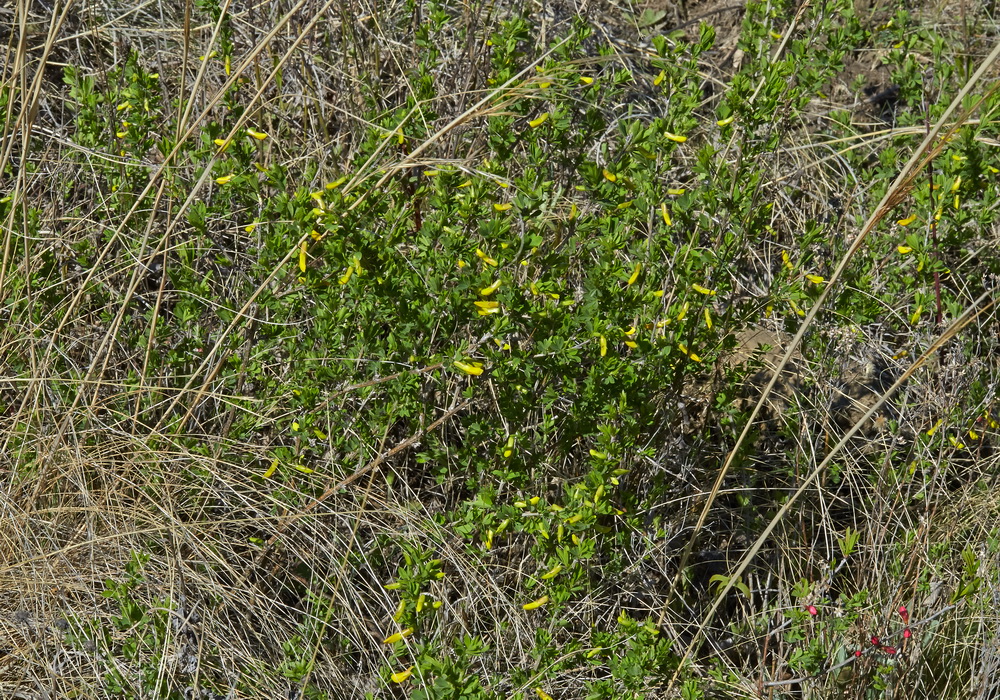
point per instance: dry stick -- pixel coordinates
(347, 481)
(896, 192)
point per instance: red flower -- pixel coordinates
(907, 633)
(889, 650)
(812, 610)
(857, 653)
(905, 614)
(874, 640)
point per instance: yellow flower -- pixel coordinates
(486, 291)
(635, 274)
(676, 191)
(586, 80)
(708, 319)
(703, 290)
(675, 137)
(503, 207)
(659, 79)
(536, 603)
(401, 676)
(665, 214)
(488, 307)
(270, 470)
(534, 123)
(904, 249)
(224, 179)
(609, 176)
(474, 369)
(486, 258)
(727, 121)
(259, 135)
(815, 279)
(302, 257)
(908, 220)
(393, 638)
(552, 573)
(604, 346)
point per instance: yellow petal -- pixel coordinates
(727, 121)
(553, 572)
(224, 179)
(635, 274)
(586, 80)
(503, 207)
(676, 191)
(703, 290)
(815, 279)
(259, 135)
(604, 346)
(486, 258)
(401, 676)
(675, 137)
(659, 79)
(270, 470)
(336, 183)
(536, 603)
(346, 277)
(609, 176)
(393, 638)
(665, 214)
(904, 249)
(708, 319)
(539, 121)
(908, 220)
(631, 344)
(474, 369)
(486, 291)
(488, 307)
(302, 257)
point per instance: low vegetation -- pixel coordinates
(438, 351)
